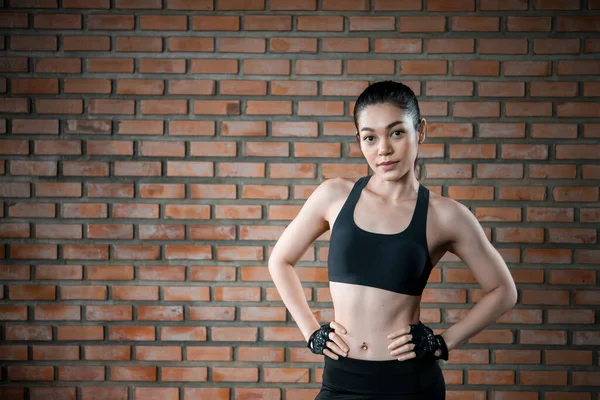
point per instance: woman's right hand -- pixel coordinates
(334, 344)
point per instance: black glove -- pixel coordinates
(318, 340)
(426, 343)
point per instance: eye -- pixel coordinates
(398, 132)
(366, 137)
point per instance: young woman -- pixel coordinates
(387, 233)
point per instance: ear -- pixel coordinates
(423, 131)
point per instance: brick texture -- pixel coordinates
(152, 152)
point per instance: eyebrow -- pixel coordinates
(387, 127)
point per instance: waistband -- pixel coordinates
(380, 376)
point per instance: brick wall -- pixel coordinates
(154, 150)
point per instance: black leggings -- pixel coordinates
(355, 379)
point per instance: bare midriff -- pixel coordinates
(369, 315)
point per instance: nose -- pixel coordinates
(384, 147)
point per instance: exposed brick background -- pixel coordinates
(154, 150)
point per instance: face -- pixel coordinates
(386, 133)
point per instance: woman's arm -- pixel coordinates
(309, 224)
(469, 242)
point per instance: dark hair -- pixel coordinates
(397, 94)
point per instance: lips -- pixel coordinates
(388, 162)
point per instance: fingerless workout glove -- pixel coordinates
(318, 340)
(426, 343)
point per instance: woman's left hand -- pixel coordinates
(400, 347)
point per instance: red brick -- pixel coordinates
(86, 4)
(33, 43)
(545, 171)
(211, 66)
(162, 149)
(382, 23)
(84, 210)
(57, 313)
(139, 44)
(87, 292)
(62, 272)
(241, 169)
(354, 45)
(526, 68)
(13, 20)
(475, 24)
(503, 5)
(136, 252)
(85, 252)
(30, 373)
(578, 109)
(243, 87)
(577, 24)
(57, 21)
(423, 24)
(111, 106)
(160, 66)
(110, 22)
(320, 23)
(268, 107)
(216, 23)
(133, 373)
(503, 46)
(423, 67)
(474, 109)
(450, 46)
(371, 67)
(13, 64)
(553, 89)
(135, 4)
(502, 89)
(85, 168)
(192, 86)
(201, 5)
(124, 65)
(187, 211)
(164, 107)
(59, 106)
(556, 46)
(202, 128)
(190, 168)
(395, 46)
(472, 151)
(111, 190)
(101, 393)
(107, 353)
(163, 22)
(240, 4)
(241, 45)
(556, 5)
(14, 105)
(132, 333)
(451, 6)
(86, 43)
(184, 44)
(475, 67)
(505, 171)
(293, 45)
(592, 45)
(267, 23)
(98, 86)
(163, 191)
(38, 210)
(528, 24)
(319, 67)
(58, 65)
(33, 251)
(578, 67)
(266, 67)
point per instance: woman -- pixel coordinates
(387, 233)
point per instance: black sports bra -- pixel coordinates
(397, 262)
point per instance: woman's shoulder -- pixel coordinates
(448, 214)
